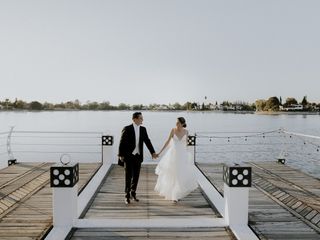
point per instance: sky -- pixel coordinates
(159, 51)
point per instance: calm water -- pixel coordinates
(159, 124)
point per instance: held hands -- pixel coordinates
(155, 155)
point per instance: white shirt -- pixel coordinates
(137, 133)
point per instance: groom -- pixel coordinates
(131, 153)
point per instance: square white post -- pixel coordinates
(107, 150)
(63, 180)
(191, 143)
(237, 181)
(65, 205)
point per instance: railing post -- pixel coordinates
(107, 149)
(191, 143)
(11, 160)
(237, 181)
(63, 180)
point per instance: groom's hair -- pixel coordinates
(136, 115)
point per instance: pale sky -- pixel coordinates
(159, 51)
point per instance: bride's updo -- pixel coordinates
(182, 121)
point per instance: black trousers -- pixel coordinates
(132, 168)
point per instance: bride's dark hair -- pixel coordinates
(182, 121)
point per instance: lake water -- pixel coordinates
(213, 129)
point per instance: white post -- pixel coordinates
(236, 205)
(11, 160)
(191, 143)
(64, 180)
(65, 205)
(107, 150)
(237, 181)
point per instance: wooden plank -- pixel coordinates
(141, 233)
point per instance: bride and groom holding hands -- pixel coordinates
(175, 170)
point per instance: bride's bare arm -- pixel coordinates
(167, 142)
(187, 133)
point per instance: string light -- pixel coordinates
(263, 134)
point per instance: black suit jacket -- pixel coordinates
(128, 142)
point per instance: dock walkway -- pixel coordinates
(109, 203)
(26, 199)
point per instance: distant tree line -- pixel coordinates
(291, 104)
(18, 104)
(271, 104)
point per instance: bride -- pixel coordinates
(176, 171)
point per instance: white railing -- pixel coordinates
(48, 146)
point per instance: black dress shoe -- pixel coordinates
(127, 201)
(134, 197)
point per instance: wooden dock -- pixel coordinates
(26, 199)
(284, 203)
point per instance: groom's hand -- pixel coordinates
(154, 156)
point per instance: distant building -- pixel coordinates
(292, 107)
(162, 107)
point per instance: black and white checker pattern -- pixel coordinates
(191, 141)
(236, 176)
(64, 176)
(107, 140)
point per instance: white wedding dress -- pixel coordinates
(176, 171)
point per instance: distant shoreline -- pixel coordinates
(286, 113)
(146, 110)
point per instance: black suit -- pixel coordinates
(132, 163)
